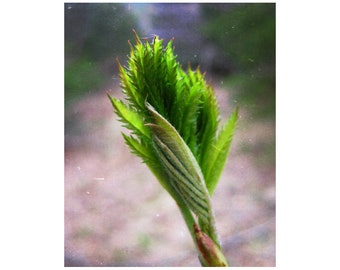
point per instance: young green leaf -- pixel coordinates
(183, 170)
(130, 117)
(216, 156)
(173, 117)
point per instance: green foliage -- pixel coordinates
(91, 39)
(81, 77)
(255, 89)
(184, 173)
(108, 27)
(245, 32)
(174, 121)
(216, 155)
(246, 35)
(91, 29)
(184, 99)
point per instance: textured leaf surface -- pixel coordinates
(130, 117)
(183, 170)
(217, 154)
(173, 117)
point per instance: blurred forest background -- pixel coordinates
(108, 220)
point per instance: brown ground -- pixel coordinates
(116, 213)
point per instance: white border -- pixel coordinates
(307, 134)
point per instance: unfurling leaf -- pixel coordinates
(217, 153)
(183, 170)
(173, 118)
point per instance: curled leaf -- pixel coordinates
(176, 133)
(183, 170)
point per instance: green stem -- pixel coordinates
(189, 221)
(213, 252)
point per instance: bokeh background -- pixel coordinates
(116, 213)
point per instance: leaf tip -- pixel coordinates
(136, 36)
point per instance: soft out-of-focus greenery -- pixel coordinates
(81, 76)
(246, 35)
(95, 34)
